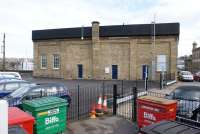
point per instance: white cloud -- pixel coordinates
(19, 18)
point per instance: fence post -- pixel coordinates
(114, 99)
(161, 81)
(78, 101)
(122, 88)
(134, 107)
(146, 84)
(103, 89)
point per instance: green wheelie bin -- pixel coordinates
(50, 114)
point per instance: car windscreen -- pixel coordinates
(19, 92)
(186, 73)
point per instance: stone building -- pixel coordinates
(195, 58)
(106, 52)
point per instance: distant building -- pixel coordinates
(26, 64)
(18, 64)
(106, 52)
(195, 58)
(181, 63)
(188, 63)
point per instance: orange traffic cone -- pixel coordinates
(98, 109)
(93, 113)
(105, 106)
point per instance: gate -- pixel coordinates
(124, 105)
(121, 101)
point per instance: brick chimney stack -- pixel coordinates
(95, 32)
(95, 49)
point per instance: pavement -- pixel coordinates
(170, 88)
(103, 125)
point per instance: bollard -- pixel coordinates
(4, 116)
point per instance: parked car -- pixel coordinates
(186, 76)
(8, 86)
(14, 74)
(33, 91)
(197, 76)
(7, 77)
(188, 98)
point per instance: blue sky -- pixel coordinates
(19, 18)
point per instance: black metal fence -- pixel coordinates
(188, 107)
(121, 99)
(169, 76)
(84, 99)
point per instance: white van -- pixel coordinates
(15, 74)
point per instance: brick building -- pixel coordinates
(106, 52)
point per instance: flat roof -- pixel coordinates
(161, 29)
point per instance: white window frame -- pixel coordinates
(41, 61)
(58, 56)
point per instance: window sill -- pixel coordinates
(56, 68)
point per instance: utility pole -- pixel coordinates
(153, 49)
(4, 61)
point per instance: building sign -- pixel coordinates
(107, 70)
(161, 63)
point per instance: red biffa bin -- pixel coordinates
(20, 118)
(152, 109)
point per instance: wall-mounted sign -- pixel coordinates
(107, 70)
(161, 63)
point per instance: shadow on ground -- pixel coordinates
(103, 125)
